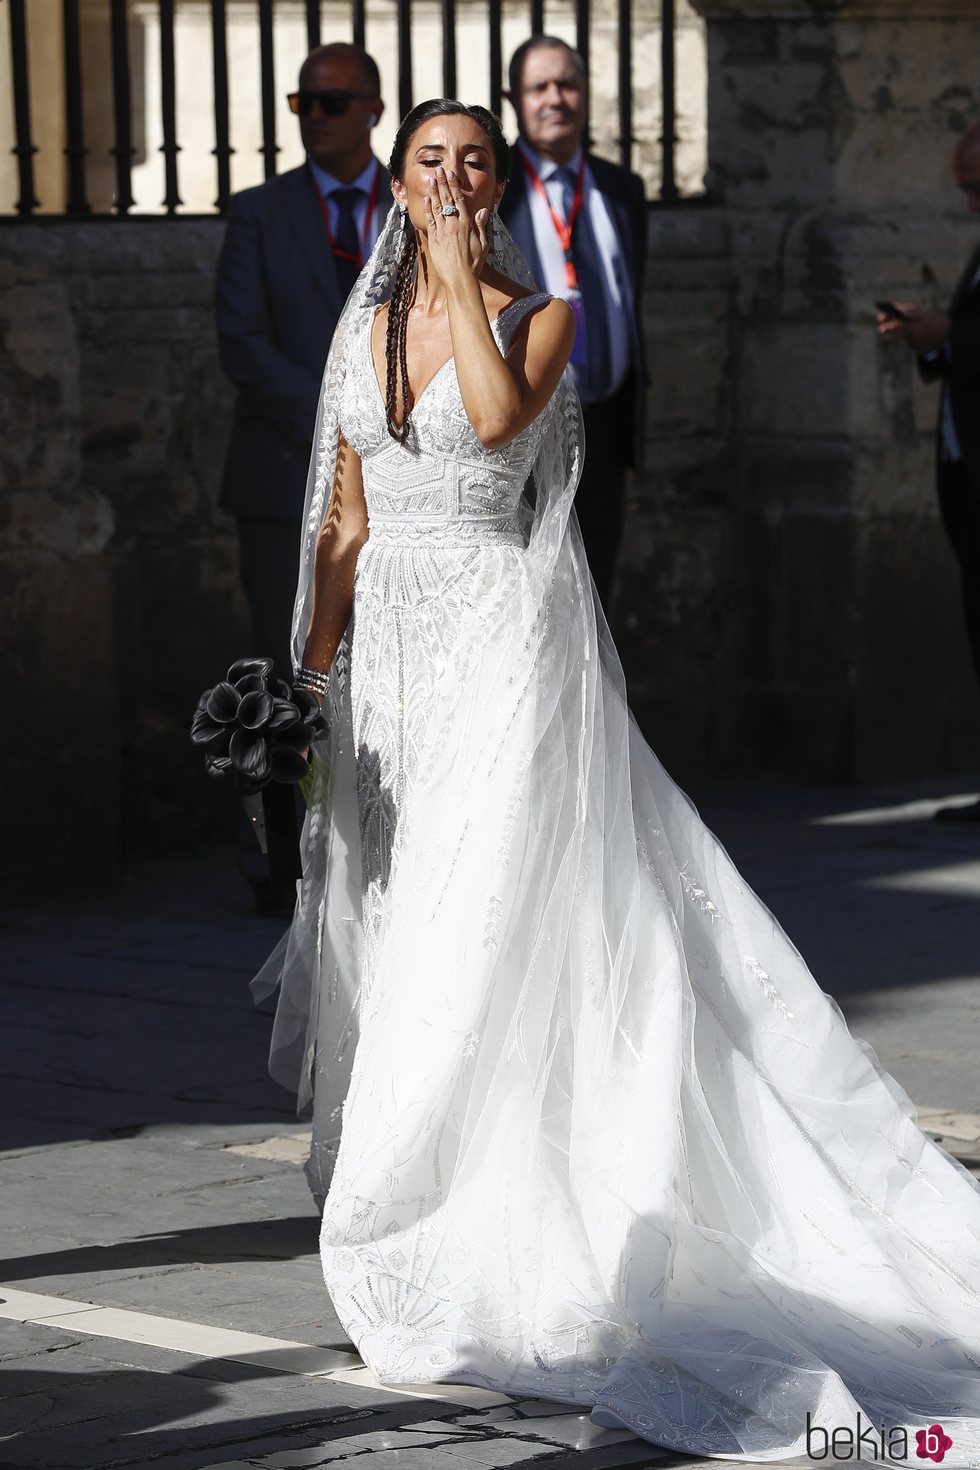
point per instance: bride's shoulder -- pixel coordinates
(540, 308)
(545, 324)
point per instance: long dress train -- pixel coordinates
(587, 1127)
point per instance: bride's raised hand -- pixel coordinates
(458, 243)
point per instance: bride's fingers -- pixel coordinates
(456, 195)
(448, 194)
(442, 186)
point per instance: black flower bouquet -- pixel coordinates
(257, 729)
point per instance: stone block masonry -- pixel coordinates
(786, 600)
(120, 588)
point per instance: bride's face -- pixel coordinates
(462, 147)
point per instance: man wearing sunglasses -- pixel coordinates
(292, 252)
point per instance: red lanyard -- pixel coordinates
(563, 227)
(358, 259)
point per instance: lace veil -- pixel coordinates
(628, 1145)
(318, 959)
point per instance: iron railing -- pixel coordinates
(118, 18)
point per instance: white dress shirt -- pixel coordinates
(617, 287)
(327, 185)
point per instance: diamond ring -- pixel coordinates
(448, 209)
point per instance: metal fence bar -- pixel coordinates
(75, 150)
(625, 84)
(122, 106)
(23, 148)
(312, 24)
(495, 17)
(668, 105)
(582, 25)
(267, 12)
(222, 149)
(268, 68)
(168, 103)
(449, 48)
(405, 89)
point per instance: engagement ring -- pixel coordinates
(448, 209)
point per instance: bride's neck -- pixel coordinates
(429, 290)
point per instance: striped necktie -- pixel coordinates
(592, 377)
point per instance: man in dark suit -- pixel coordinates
(582, 224)
(948, 348)
(291, 254)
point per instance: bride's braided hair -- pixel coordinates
(396, 358)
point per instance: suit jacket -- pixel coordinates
(959, 366)
(278, 301)
(623, 192)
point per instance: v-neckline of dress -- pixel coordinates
(443, 365)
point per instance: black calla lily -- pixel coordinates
(244, 667)
(251, 684)
(288, 765)
(249, 755)
(255, 710)
(204, 730)
(223, 702)
(256, 727)
(306, 703)
(217, 765)
(284, 714)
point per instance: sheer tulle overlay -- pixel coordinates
(604, 1139)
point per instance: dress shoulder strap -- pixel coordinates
(507, 321)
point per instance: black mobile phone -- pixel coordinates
(890, 309)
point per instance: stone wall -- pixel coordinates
(804, 612)
(58, 754)
(786, 603)
(120, 593)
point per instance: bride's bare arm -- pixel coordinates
(344, 532)
(503, 395)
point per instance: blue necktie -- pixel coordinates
(593, 376)
(346, 237)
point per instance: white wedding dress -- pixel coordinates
(587, 1127)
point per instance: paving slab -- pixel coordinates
(151, 1170)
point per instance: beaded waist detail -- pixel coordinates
(436, 533)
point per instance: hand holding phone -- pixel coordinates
(888, 308)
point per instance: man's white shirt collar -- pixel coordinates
(546, 167)
(327, 183)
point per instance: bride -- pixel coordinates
(585, 1126)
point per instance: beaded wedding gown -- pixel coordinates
(587, 1127)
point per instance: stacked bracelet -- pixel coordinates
(315, 680)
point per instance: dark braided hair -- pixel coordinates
(396, 357)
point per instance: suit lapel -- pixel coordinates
(302, 209)
(385, 200)
(515, 210)
(608, 183)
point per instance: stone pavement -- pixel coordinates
(162, 1301)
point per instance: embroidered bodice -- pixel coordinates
(443, 484)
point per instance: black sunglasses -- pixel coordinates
(333, 103)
